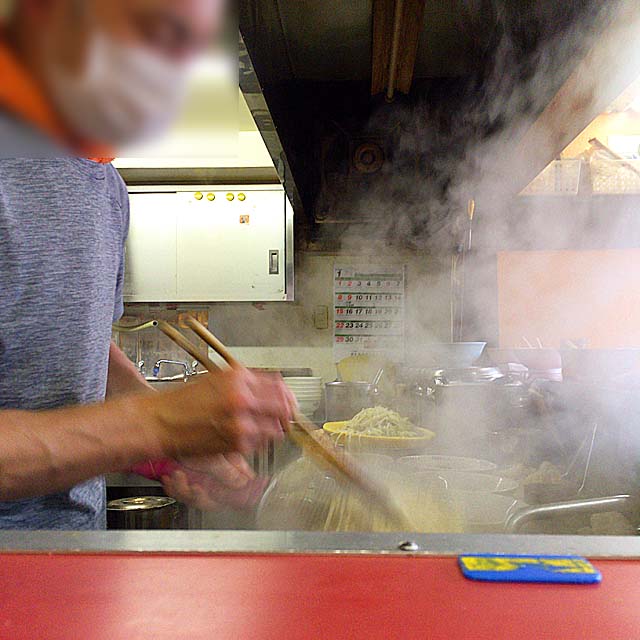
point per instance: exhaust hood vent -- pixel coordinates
(359, 172)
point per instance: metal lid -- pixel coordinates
(450, 377)
(139, 503)
(470, 375)
(340, 384)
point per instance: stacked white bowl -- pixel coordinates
(308, 392)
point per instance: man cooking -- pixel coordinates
(78, 78)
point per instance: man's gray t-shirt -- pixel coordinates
(63, 223)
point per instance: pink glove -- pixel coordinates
(155, 469)
(209, 486)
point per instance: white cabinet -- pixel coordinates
(150, 265)
(210, 244)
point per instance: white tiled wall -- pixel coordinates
(318, 359)
(282, 334)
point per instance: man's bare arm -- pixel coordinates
(45, 452)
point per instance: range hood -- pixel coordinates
(389, 102)
(225, 134)
(216, 144)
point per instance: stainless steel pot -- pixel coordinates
(465, 407)
(468, 413)
(344, 399)
(143, 512)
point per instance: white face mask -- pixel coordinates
(124, 94)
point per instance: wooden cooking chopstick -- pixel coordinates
(201, 331)
(325, 452)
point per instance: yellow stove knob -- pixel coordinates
(198, 195)
(230, 197)
(211, 197)
(242, 197)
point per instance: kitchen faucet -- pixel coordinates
(189, 369)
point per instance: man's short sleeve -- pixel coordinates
(122, 203)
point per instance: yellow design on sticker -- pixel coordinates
(490, 564)
(567, 565)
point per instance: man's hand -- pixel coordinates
(215, 482)
(228, 411)
(235, 410)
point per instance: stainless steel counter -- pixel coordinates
(261, 542)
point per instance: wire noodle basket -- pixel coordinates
(559, 178)
(302, 497)
(614, 176)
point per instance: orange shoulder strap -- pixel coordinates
(21, 95)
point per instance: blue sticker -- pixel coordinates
(530, 568)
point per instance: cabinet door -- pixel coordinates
(231, 250)
(150, 268)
